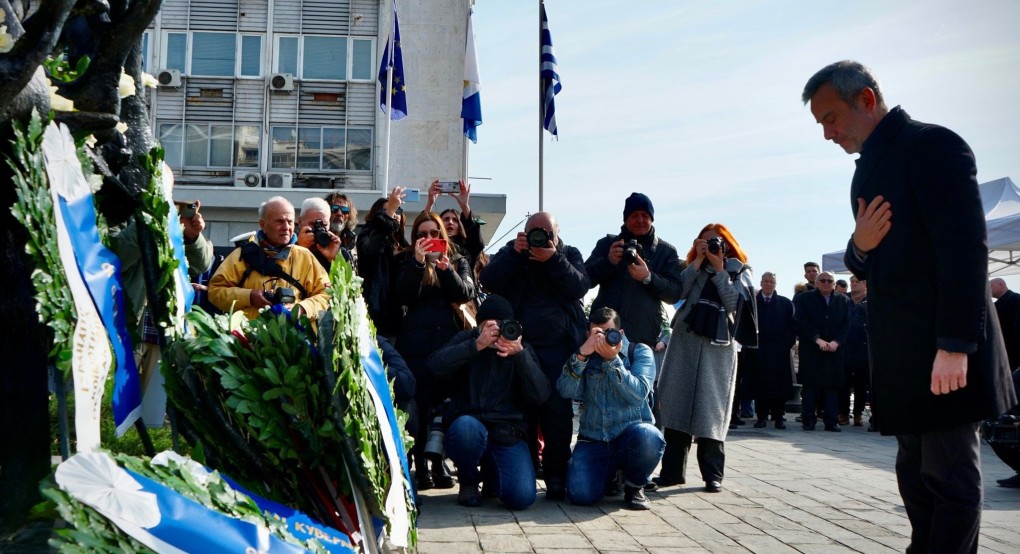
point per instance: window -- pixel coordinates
(210, 145)
(146, 37)
(214, 54)
(329, 149)
(327, 58)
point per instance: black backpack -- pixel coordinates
(256, 260)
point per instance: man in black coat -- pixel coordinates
(823, 318)
(772, 369)
(636, 272)
(938, 362)
(1007, 307)
(545, 280)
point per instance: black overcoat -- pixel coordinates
(773, 378)
(928, 279)
(829, 322)
(1008, 310)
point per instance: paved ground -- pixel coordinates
(785, 491)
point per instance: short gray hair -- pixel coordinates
(314, 204)
(848, 78)
(273, 200)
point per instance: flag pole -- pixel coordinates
(541, 100)
(389, 104)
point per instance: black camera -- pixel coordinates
(538, 238)
(613, 337)
(631, 251)
(511, 329)
(716, 245)
(282, 295)
(321, 232)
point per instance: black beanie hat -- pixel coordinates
(495, 307)
(638, 202)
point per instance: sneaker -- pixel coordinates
(468, 496)
(635, 498)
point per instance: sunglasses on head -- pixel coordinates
(426, 234)
(342, 209)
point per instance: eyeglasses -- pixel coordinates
(342, 209)
(825, 280)
(426, 234)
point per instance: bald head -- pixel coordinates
(998, 287)
(276, 218)
(544, 220)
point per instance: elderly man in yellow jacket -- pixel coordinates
(253, 275)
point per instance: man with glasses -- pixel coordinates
(823, 319)
(343, 218)
(545, 280)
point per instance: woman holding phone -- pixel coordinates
(432, 279)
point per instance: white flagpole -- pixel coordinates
(541, 104)
(389, 104)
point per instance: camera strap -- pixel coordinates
(256, 260)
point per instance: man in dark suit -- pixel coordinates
(771, 370)
(1007, 307)
(823, 319)
(939, 365)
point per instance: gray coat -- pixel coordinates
(698, 379)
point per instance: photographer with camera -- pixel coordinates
(612, 378)
(545, 280)
(636, 272)
(314, 233)
(270, 269)
(698, 378)
(495, 377)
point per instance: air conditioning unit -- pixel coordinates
(169, 78)
(278, 180)
(281, 82)
(248, 179)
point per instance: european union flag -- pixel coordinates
(550, 78)
(392, 57)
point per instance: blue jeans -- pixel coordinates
(637, 450)
(506, 469)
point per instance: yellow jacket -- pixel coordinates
(297, 261)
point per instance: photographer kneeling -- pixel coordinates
(612, 378)
(496, 377)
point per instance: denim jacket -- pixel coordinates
(613, 394)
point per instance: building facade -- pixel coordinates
(280, 97)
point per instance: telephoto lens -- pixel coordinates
(434, 444)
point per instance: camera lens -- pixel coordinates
(613, 337)
(715, 245)
(538, 238)
(511, 330)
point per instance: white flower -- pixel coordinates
(90, 141)
(122, 127)
(57, 102)
(126, 87)
(6, 40)
(149, 81)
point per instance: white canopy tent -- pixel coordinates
(1001, 201)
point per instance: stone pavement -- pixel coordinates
(785, 491)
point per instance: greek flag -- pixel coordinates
(396, 97)
(471, 103)
(550, 78)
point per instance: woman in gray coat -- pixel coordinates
(699, 373)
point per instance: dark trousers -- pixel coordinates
(555, 417)
(711, 457)
(829, 397)
(774, 408)
(858, 381)
(1009, 455)
(939, 475)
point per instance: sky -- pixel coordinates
(697, 105)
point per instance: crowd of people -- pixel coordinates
(499, 353)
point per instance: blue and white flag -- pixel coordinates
(396, 96)
(550, 78)
(471, 104)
